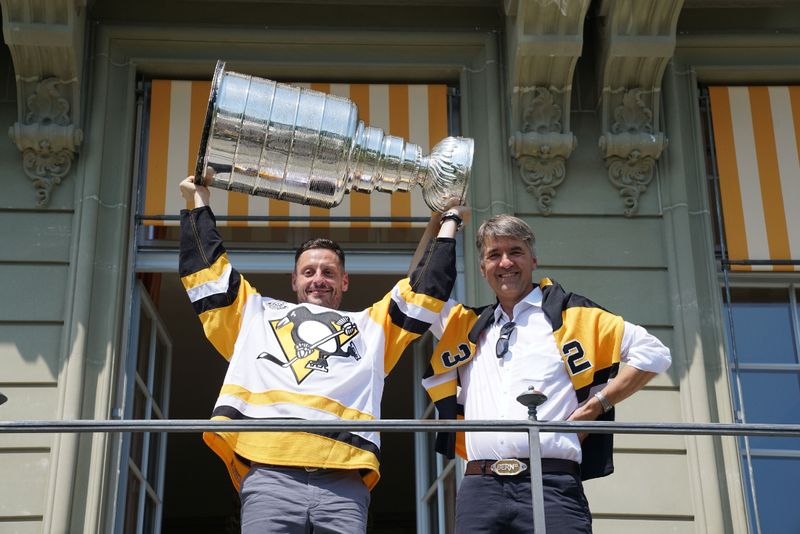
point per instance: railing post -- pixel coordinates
(532, 399)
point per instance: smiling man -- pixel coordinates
(534, 335)
(305, 361)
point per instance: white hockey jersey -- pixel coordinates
(303, 361)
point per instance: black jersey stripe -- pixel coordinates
(354, 440)
(438, 287)
(196, 255)
(409, 324)
(448, 411)
(220, 300)
(429, 372)
(601, 376)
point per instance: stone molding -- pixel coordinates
(46, 40)
(631, 149)
(637, 41)
(47, 139)
(541, 149)
(545, 40)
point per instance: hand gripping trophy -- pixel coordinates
(269, 139)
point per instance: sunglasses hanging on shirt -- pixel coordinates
(505, 334)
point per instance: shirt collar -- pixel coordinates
(534, 298)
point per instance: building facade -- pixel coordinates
(622, 131)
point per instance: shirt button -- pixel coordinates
(502, 442)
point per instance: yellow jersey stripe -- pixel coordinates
(311, 401)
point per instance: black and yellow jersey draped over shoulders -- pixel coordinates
(292, 361)
(589, 339)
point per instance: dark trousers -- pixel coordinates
(503, 505)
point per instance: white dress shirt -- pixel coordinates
(490, 385)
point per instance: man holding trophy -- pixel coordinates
(308, 360)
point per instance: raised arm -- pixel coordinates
(218, 292)
(437, 228)
(416, 302)
(199, 194)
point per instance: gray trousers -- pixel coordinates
(293, 500)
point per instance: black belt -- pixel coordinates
(514, 466)
(255, 465)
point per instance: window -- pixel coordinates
(264, 254)
(748, 141)
(764, 364)
(147, 394)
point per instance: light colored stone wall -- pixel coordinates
(34, 265)
(62, 322)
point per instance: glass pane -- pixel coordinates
(433, 514)
(143, 351)
(432, 473)
(777, 488)
(159, 373)
(748, 491)
(772, 398)
(131, 504)
(761, 314)
(149, 521)
(450, 502)
(137, 438)
(153, 458)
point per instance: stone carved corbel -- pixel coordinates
(541, 149)
(636, 40)
(545, 39)
(47, 139)
(631, 149)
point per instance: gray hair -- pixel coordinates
(505, 226)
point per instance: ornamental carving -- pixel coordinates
(631, 149)
(47, 139)
(544, 115)
(633, 116)
(544, 41)
(541, 149)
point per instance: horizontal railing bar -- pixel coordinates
(289, 218)
(760, 262)
(398, 425)
(792, 367)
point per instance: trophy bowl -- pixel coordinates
(274, 140)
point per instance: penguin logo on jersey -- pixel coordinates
(308, 339)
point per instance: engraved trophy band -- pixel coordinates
(268, 139)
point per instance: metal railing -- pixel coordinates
(532, 427)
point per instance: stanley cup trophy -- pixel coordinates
(274, 140)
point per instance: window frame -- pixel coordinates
(154, 489)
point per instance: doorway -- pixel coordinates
(198, 494)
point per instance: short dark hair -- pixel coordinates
(505, 226)
(320, 242)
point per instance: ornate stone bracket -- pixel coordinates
(47, 139)
(637, 39)
(631, 149)
(541, 149)
(46, 41)
(545, 39)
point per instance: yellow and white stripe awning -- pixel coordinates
(417, 113)
(757, 142)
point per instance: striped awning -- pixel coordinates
(757, 142)
(418, 113)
